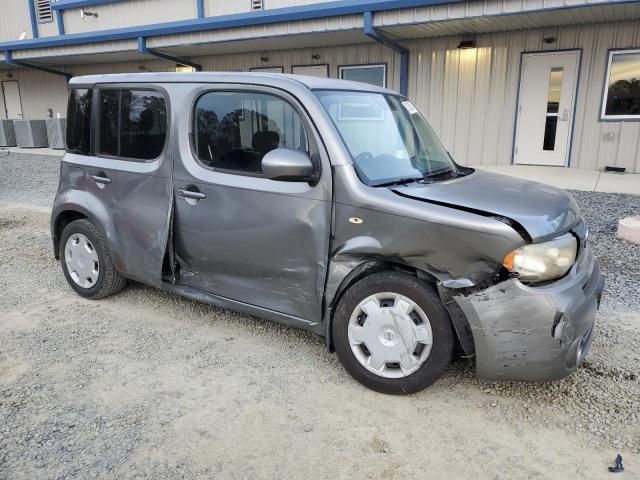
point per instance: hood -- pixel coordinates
(543, 211)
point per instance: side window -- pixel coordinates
(133, 124)
(234, 130)
(79, 121)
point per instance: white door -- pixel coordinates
(311, 70)
(545, 111)
(12, 102)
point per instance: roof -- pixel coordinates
(278, 80)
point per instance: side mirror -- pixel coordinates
(287, 165)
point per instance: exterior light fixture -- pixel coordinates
(315, 56)
(84, 13)
(143, 68)
(184, 68)
(466, 43)
(264, 59)
(549, 40)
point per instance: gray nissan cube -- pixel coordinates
(327, 205)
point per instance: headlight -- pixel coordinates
(543, 261)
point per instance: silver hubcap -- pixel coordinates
(390, 335)
(81, 259)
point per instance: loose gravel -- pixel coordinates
(149, 385)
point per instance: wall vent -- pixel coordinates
(257, 5)
(43, 11)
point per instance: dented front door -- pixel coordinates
(237, 234)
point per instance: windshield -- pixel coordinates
(388, 139)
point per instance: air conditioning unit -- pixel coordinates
(56, 128)
(31, 133)
(7, 134)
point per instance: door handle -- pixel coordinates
(103, 179)
(192, 194)
(565, 115)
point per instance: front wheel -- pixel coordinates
(392, 333)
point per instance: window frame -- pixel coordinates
(605, 91)
(91, 149)
(312, 146)
(267, 69)
(95, 117)
(365, 65)
(325, 65)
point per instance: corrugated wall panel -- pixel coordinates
(335, 57)
(131, 13)
(474, 9)
(346, 22)
(14, 19)
(268, 4)
(39, 91)
(470, 96)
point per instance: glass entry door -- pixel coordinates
(545, 110)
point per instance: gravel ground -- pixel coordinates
(149, 385)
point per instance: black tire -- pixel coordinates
(425, 296)
(109, 279)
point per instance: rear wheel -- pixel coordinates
(86, 261)
(392, 333)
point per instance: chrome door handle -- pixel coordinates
(100, 179)
(191, 194)
(565, 114)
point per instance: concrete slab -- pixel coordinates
(619, 183)
(34, 151)
(572, 178)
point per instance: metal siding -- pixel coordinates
(269, 4)
(129, 14)
(470, 96)
(14, 20)
(347, 22)
(38, 92)
(213, 8)
(474, 9)
(86, 49)
(371, 53)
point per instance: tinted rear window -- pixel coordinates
(79, 121)
(133, 123)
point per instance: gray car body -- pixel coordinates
(286, 251)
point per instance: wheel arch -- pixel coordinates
(458, 320)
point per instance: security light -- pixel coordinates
(467, 43)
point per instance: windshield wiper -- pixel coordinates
(439, 173)
(398, 181)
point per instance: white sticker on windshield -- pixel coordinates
(410, 108)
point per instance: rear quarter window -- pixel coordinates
(79, 121)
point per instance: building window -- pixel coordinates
(79, 121)
(372, 74)
(267, 69)
(622, 94)
(234, 130)
(133, 124)
(43, 11)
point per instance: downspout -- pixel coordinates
(8, 58)
(32, 17)
(371, 32)
(200, 8)
(142, 48)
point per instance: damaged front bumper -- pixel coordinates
(535, 333)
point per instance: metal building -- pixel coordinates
(551, 82)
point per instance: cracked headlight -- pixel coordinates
(539, 262)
